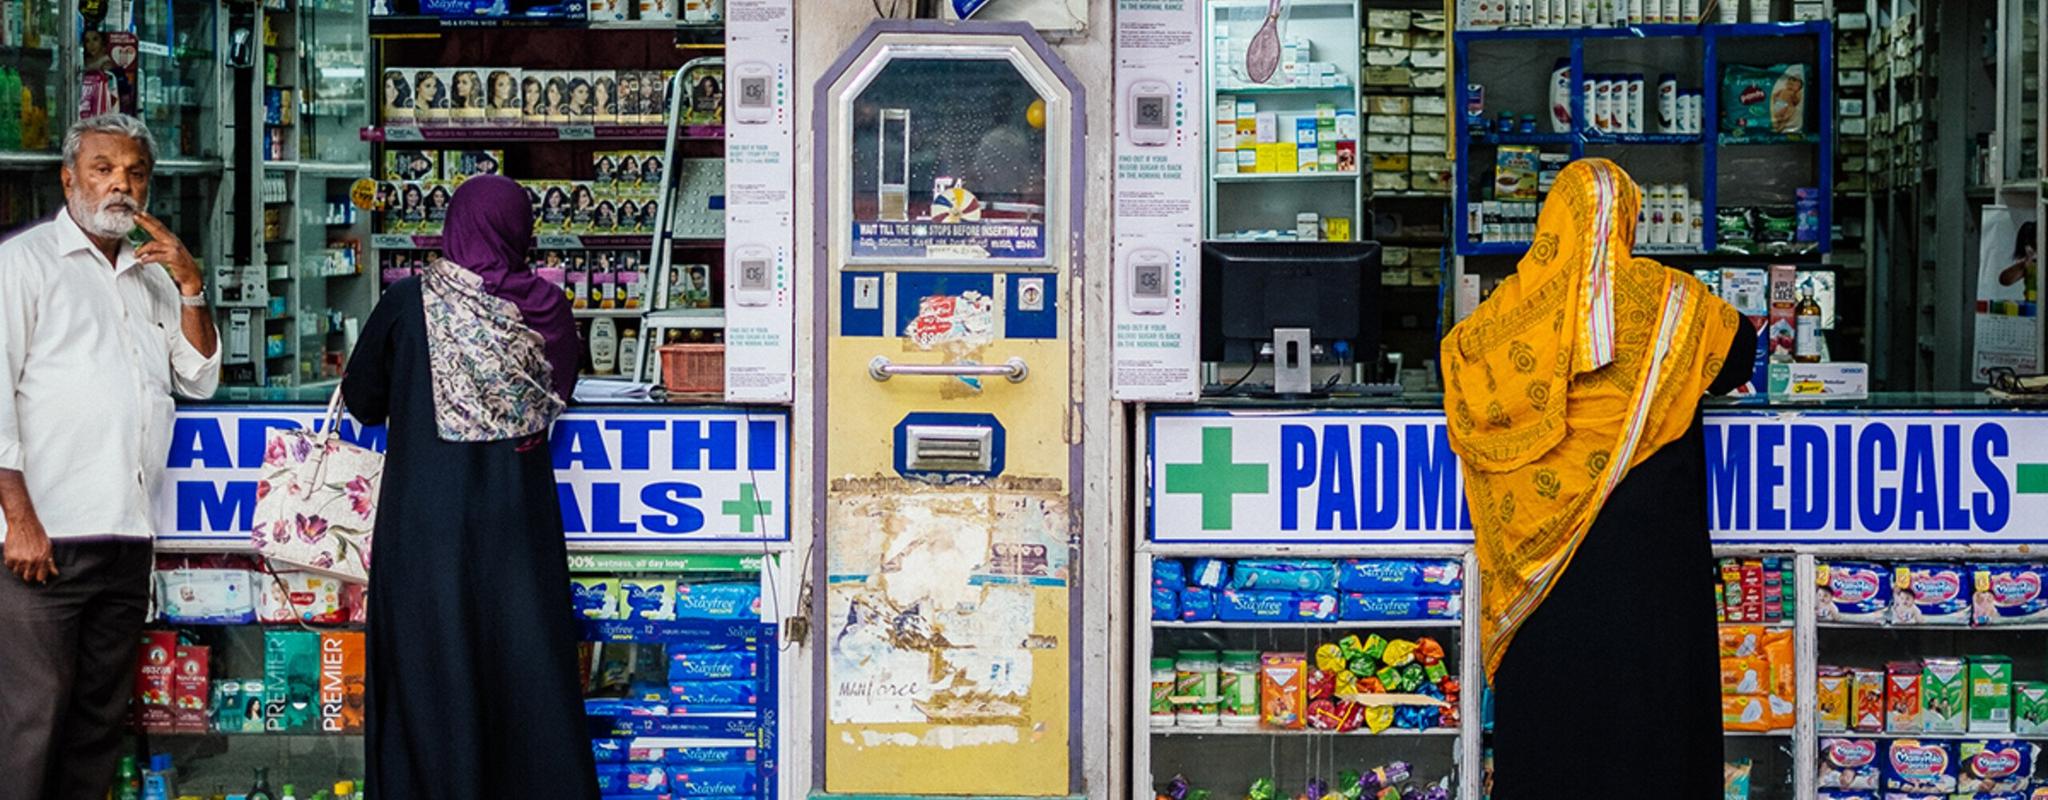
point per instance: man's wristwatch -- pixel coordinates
(193, 300)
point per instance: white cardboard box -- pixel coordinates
(1841, 380)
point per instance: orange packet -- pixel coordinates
(1283, 690)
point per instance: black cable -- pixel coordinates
(1240, 379)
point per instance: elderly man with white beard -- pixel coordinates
(97, 335)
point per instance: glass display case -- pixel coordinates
(1283, 108)
(179, 87)
(32, 60)
(2017, 47)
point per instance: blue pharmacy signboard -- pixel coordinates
(1773, 477)
(625, 477)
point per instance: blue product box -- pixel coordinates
(1285, 574)
(1251, 605)
(1363, 607)
(632, 778)
(710, 756)
(689, 666)
(717, 693)
(1210, 573)
(718, 601)
(1400, 575)
(1169, 573)
(715, 781)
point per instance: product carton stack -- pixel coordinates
(1407, 134)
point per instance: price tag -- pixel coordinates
(363, 194)
(578, 132)
(403, 133)
(157, 49)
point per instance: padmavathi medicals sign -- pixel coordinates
(1811, 477)
(625, 477)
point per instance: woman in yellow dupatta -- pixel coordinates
(1577, 370)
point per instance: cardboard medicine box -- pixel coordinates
(1990, 694)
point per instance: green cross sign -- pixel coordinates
(1217, 479)
(2032, 479)
(748, 508)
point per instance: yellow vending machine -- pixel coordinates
(949, 189)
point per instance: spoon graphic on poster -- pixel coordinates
(1263, 56)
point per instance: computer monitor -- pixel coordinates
(1249, 289)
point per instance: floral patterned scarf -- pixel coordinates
(1578, 367)
(491, 373)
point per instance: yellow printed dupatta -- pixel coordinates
(1577, 368)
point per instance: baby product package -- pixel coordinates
(1848, 764)
(206, 597)
(1931, 593)
(290, 596)
(1914, 765)
(2008, 594)
(1996, 765)
(290, 671)
(1855, 591)
(1764, 99)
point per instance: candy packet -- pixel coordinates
(1284, 574)
(1848, 764)
(1400, 575)
(1914, 765)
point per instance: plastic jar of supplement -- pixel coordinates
(1238, 680)
(1164, 678)
(1195, 684)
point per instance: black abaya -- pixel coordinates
(472, 675)
(1612, 687)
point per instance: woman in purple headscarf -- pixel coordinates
(472, 679)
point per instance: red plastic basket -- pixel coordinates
(692, 368)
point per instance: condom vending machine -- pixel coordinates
(949, 446)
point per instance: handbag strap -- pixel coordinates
(334, 408)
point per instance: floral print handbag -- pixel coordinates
(316, 505)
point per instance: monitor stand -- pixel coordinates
(1292, 359)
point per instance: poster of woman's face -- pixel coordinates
(431, 94)
(504, 90)
(469, 90)
(530, 100)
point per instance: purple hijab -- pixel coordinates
(488, 231)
